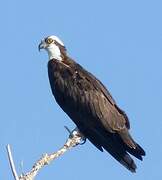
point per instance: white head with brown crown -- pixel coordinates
(54, 46)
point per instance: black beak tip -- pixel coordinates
(39, 47)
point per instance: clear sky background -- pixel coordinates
(118, 41)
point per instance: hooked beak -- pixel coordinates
(41, 45)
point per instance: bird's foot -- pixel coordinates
(76, 132)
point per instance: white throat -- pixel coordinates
(54, 52)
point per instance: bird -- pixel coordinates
(90, 105)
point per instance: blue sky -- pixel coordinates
(118, 41)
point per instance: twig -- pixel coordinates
(12, 165)
(74, 139)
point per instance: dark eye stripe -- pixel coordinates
(46, 39)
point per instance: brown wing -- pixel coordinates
(101, 101)
(93, 110)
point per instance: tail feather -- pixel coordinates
(130, 145)
(138, 152)
(120, 154)
(128, 163)
(116, 149)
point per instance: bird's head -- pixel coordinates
(54, 46)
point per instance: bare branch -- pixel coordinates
(74, 139)
(12, 165)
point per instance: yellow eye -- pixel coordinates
(49, 40)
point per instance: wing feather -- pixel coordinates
(100, 101)
(92, 108)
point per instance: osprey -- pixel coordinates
(90, 105)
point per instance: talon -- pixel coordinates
(75, 132)
(68, 130)
(83, 141)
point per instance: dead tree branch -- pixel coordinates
(74, 139)
(12, 165)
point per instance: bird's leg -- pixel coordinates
(76, 132)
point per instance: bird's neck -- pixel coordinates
(54, 53)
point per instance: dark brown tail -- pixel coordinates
(113, 144)
(118, 151)
(138, 152)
